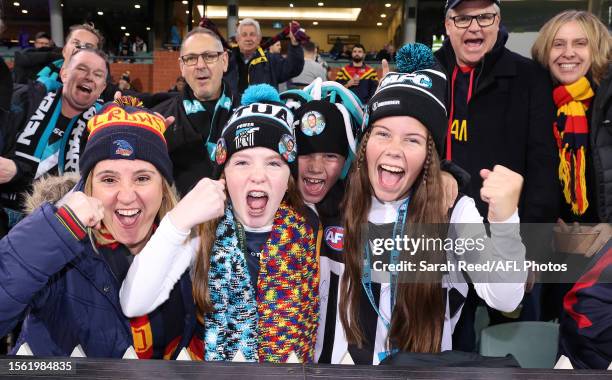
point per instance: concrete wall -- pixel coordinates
(521, 42)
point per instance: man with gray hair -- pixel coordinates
(250, 64)
(200, 110)
(500, 113)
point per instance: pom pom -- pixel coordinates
(413, 57)
(260, 93)
(131, 101)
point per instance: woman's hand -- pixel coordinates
(451, 189)
(501, 189)
(204, 202)
(605, 234)
(89, 211)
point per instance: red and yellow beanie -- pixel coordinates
(124, 132)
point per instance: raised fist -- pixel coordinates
(204, 202)
(89, 211)
(501, 189)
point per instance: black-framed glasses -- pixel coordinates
(483, 20)
(208, 57)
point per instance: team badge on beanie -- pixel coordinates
(122, 148)
(287, 148)
(262, 121)
(220, 152)
(312, 123)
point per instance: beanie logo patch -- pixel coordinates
(418, 79)
(122, 148)
(378, 105)
(312, 123)
(287, 148)
(245, 137)
(221, 152)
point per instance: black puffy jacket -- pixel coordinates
(601, 147)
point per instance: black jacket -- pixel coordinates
(27, 102)
(510, 118)
(28, 63)
(189, 148)
(601, 147)
(263, 68)
(6, 92)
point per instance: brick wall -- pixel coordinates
(165, 70)
(140, 75)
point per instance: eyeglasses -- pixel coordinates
(208, 57)
(483, 20)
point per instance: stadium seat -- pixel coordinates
(533, 344)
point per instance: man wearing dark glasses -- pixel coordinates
(500, 111)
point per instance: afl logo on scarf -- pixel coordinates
(334, 237)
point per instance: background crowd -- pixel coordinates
(499, 138)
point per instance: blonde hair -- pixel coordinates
(598, 37)
(169, 200)
(87, 27)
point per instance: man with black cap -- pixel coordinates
(500, 109)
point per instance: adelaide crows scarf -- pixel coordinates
(280, 316)
(571, 130)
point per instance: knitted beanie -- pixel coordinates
(262, 121)
(327, 118)
(417, 90)
(122, 132)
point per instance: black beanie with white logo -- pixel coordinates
(418, 91)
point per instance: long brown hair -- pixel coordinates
(208, 232)
(418, 315)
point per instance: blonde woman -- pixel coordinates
(63, 265)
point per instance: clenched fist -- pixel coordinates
(501, 189)
(204, 202)
(89, 211)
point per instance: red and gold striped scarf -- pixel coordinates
(571, 130)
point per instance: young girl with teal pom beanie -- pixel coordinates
(254, 265)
